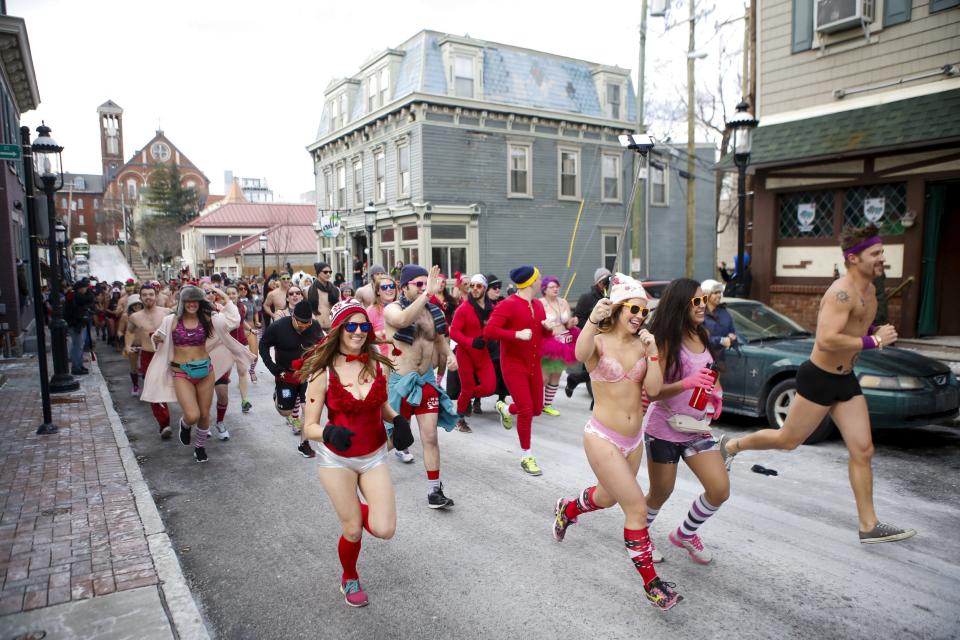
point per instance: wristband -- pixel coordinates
(653, 358)
(869, 342)
(593, 321)
(872, 330)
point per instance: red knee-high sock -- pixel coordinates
(640, 551)
(349, 552)
(221, 411)
(365, 513)
(583, 504)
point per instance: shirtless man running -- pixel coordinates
(277, 299)
(827, 384)
(418, 330)
(140, 327)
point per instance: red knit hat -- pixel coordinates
(344, 309)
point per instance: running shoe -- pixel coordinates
(295, 425)
(567, 389)
(221, 430)
(529, 464)
(477, 409)
(463, 427)
(550, 411)
(404, 456)
(135, 391)
(885, 533)
(694, 547)
(353, 593)
(506, 420)
(253, 377)
(560, 520)
(436, 499)
(726, 455)
(166, 432)
(655, 553)
(661, 594)
(199, 454)
(306, 450)
(245, 406)
(184, 434)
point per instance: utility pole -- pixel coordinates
(639, 226)
(691, 145)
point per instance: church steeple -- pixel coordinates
(110, 116)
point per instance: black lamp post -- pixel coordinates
(61, 243)
(48, 167)
(742, 125)
(370, 221)
(213, 261)
(263, 255)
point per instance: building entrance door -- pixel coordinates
(939, 306)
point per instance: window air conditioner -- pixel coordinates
(838, 15)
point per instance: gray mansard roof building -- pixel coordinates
(480, 156)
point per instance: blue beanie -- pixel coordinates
(524, 276)
(411, 271)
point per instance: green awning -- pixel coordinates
(905, 123)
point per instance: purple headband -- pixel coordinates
(857, 248)
(546, 282)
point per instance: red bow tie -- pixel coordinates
(363, 357)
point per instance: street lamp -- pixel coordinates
(61, 242)
(370, 221)
(48, 166)
(741, 127)
(263, 255)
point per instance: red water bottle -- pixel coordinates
(700, 395)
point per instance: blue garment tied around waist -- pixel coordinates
(409, 387)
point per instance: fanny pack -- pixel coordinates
(688, 424)
(196, 369)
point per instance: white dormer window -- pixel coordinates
(384, 85)
(463, 61)
(463, 77)
(372, 92)
(613, 100)
(333, 108)
(343, 109)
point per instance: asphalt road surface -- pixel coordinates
(257, 538)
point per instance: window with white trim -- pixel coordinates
(449, 247)
(569, 173)
(409, 249)
(343, 110)
(379, 176)
(358, 183)
(80, 220)
(388, 253)
(328, 188)
(659, 185)
(611, 248)
(613, 100)
(519, 175)
(403, 170)
(132, 189)
(80, 203)
(384, 85)
(342, 186)
(610, 177)
(333, 108)
(463, 76)
(372, 91)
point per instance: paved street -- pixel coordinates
(257, 539)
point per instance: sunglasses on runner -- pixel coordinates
(419, 285)
(699, 300)
(351, 327)
(284, 277)
(327, 271)
(636, 309)
(388, 286)
(477, 285)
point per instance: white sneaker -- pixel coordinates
(221, 430)
(404, 456)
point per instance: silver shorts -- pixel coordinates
(361, 464)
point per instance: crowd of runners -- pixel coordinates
(351, 369)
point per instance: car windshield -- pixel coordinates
(759, 322)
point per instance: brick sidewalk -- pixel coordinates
(69, 526)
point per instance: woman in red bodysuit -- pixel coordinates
(346, 376)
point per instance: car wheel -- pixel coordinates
(778, 405)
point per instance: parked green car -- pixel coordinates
(902, 387)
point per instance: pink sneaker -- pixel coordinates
(655, 555)
(353, 593)
(694, 547)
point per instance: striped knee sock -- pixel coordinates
(583, 504)
(651, 515)
(549, 391)
(295, 414)
(638, 546)
(699, 512)
(201, 439)
(253, 367)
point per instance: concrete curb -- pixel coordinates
(181, 608)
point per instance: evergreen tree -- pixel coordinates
(167, 197)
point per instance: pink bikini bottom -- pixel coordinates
(625, 444)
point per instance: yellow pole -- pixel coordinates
(573, 237)
(569, 285)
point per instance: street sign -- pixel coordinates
(10, 152)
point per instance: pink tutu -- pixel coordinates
(562, 347)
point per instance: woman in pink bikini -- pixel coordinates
(194, 348)
(615, 351)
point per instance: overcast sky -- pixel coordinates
(239, 84)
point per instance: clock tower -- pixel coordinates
(111, 138)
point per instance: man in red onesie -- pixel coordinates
(478, 378)
(517, 323)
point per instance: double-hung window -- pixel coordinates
(384, 85)
(379, 176)
(569, 178)
(610, 175)
(403, 171)
(659, 187)
(519, 175)
(372, 91)
(463, 76)
(328, 188)
(342, 186)
(358, 183)
(613, 101)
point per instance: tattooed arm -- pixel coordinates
(833, 319)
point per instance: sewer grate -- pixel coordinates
(67, 399)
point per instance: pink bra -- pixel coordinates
(608, 369)
(183, 337)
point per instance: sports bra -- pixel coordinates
(608, 369)
(183, 337)
(551, 313)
